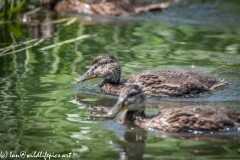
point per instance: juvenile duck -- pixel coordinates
(154, 83)
(190, 118)
(124, 8)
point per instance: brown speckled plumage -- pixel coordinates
(154, 83)
(123, 8)
(184, 119)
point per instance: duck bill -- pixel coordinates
(119, 106)
(86, 76)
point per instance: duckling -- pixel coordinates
(154, 83)
(185, 119)
(124, 8)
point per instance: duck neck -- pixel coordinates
(112, 81)
(113, 84)
(115, 77)
(138, 118)
(128, 117)
(134, 115)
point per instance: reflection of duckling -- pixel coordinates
(103, 7)
(131, 145)
(98, 108)
(201, 118)
(154, 83)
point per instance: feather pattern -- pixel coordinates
(154, 83)
(182, 119)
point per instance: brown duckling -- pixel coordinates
(123, 8)
(154, 83)
(190, 118)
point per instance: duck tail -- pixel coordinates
(221, 82)
(234, 115)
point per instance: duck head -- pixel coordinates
(132, 98)
(106, 67)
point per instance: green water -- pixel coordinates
(39, 111)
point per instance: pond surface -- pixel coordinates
(43, 110)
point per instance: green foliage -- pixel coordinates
(10, 8)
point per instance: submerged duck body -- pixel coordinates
(154, 83)
(185, 119)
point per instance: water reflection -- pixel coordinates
(98, 108)
(41, 25)
(224, 136)
(131, 145)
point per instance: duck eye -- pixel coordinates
(103, 63)
(132, 94)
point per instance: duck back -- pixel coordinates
(190, 118)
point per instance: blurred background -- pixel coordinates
(45, 44)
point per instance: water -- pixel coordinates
(43, 110)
